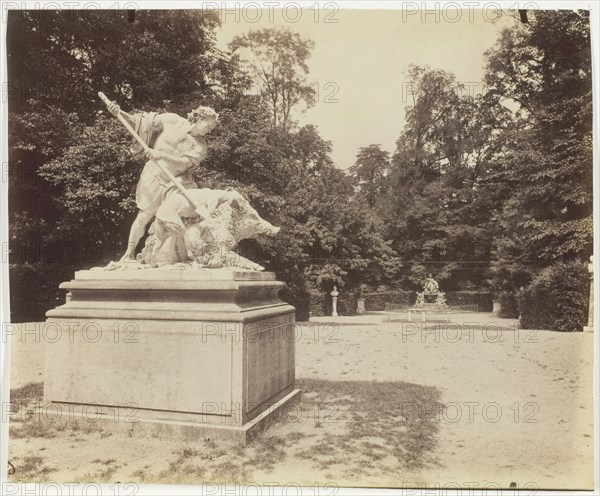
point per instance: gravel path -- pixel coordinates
(517, 409)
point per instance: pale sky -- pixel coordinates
(366, 55)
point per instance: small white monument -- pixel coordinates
(334, 297)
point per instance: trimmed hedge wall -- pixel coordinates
(483, 299)
(509, 306)
(320, 302)
(317, 303)
(376, 301)
(557, 298)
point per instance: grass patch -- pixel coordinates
(366, 427)
(24, 396)
(31, 418)
(140, 475)
(231, 472)
(374, 419)
(31, 469)
(32, 429)
(346, 428)
(266, 451)
(27, 418)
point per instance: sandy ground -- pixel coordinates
(518, 408)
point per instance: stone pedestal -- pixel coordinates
(497, 308)
(430, 298)
(360, 306)
(196, 353)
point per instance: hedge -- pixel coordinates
(320, 301)
(509, 306)
(34, 290)
(557, 298)
(376, 301)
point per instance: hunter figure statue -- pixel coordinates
(190, 224)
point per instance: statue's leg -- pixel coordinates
(138, 228)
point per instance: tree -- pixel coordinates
(277, 59)
(96, 177)
(65, 57)
(60, 151)
(345, 238)
(438, 210)
(312, 150)
(369, 172)
(546, 68)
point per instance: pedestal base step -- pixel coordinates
(131, 422)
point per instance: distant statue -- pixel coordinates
(431, 296)
(420, 300)
(190, 224)
(431, 286)
(440, 300)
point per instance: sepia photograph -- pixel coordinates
(299, 247)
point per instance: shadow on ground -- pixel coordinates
(341, 432)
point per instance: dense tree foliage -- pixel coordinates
(556, 299)
(369, 173)
(67, 56)
(484, 191)
(84, 177)
(545, 67)
(437, 207)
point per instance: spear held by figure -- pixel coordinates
(199, 209)
(178, 146)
